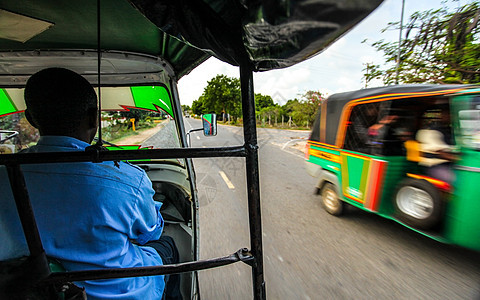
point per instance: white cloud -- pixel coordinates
(282, 85)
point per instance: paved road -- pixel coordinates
(308, 253)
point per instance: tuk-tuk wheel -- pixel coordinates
(330, 201)
(418, 203)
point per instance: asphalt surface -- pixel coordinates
(309, 254)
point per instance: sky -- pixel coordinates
(339, 68)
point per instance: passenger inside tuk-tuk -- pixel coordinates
(377, 130)
(90, 215)
(363, 119)
(437, 145)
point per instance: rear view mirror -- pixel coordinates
(209, 122)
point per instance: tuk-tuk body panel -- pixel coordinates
(360, 177)
(355, 169)
(369, 182)
(374, 182)
(395, 173)
(462, 220)
(325, 156)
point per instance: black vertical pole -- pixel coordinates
(253, 182)
(37, 263)
(25, 211)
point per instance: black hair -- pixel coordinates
(58, 99)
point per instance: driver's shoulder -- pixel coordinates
(122, 171)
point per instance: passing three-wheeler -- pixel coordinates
(381, 150)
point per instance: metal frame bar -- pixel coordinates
(253, 179)
(185, 139)
(95, 155)
(242, 255)
(37, 262)
(24, 209)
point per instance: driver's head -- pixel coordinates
(60, 102)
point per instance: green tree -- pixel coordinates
(198, 107)
(266, 110)
(222, 96)
(303, 111)
(270, 115)
(262, 101)
(439, 46)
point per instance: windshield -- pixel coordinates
(133, 117)
(468, 114)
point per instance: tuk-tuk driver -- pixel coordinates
(92, 215)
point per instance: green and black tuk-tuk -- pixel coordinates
(369, 149)
(134, 52)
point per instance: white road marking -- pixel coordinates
(287, 149)
(291, 141)
(227, 181)
(198, 137)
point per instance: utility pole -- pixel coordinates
(399, 43)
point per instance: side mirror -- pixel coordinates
(209, 122)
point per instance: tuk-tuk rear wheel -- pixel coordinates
(330, 201)
(418, 204)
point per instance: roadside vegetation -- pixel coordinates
(119, 125)
(222, 96)
(437, 46)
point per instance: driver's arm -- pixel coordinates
(147, 222)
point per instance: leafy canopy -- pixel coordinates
(220, 96)
(439, 46)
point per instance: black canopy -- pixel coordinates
(267, 34)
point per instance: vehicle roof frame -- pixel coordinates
(117, 67)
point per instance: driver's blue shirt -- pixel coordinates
(90, 216)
